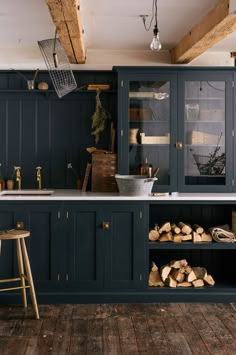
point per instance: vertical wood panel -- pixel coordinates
(44, 142)
(38, 128)
(3, 136)
(28, 142)
(14, 133)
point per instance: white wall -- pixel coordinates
(31, 58)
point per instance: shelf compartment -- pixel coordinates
(218, 263)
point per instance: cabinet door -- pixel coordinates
(124, 243)
(8, 259)
(39, 220)
(43, 243)
(205, 131)
(83, 246)
(147, 126)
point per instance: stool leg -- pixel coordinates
(21, 271)
(30, 279)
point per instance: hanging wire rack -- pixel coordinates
(58, 66)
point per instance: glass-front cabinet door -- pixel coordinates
(205, 132)
(148, 127)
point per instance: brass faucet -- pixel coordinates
(18, 176)
(39, 177)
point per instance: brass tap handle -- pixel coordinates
(18, 176)
(105, 225)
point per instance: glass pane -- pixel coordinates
(149, 129)
(204, 133)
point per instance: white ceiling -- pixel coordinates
(109, 25)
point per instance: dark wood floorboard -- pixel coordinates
(117, 329)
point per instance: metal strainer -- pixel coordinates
(58, 66)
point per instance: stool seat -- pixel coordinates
(23, 263)
(14, 234)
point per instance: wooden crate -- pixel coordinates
(140, 114)
(104, 168)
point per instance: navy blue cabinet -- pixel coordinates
(125, 246)
(79, 247)
(205, 130)
(147, 124)
(42, 248)
(103, 246)
(181, 121)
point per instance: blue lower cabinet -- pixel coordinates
(103, 246)
(8, 260)
(82, 247)
(124, 243)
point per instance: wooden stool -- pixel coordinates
(23, 261)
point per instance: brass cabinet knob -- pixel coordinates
(105, 225)
(178, 145)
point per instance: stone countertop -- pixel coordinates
(77, 195)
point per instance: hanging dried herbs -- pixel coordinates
(99, 118)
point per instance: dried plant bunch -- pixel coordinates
(99, 118)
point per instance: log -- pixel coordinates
(198, 229)
(164, 272)
(154, 277)
(177, 275)
(206, 237)
(198, 283)
(177, 264)
(196, 237)
(153, 235)
(187, 269)
(166, 237)
(196, 273)
(184, 284)
(170, 281)
(187, 237)
(177, 238)
(165, 227)
(175, 229)
(208, 279)
(185, 229)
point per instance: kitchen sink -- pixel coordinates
(26, 192)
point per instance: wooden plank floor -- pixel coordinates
(164, 328)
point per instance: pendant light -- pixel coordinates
(155, 43)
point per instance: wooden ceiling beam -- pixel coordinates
(66, 17)
(213, 28)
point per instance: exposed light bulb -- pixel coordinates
(156, 43)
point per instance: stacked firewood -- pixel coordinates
(179, 274)
(170, 232)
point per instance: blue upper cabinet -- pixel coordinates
(179, 121)
(147, 125)
(205, 130)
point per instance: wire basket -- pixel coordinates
(61, 75)
(207, 166)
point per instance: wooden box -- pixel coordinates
(140, 114)
(104, 168)
(155, 139)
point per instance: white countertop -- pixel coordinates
(77, 195)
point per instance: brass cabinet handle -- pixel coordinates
(178, 145)
(105, 225)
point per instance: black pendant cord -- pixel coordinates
(154, 5)
(55, 59)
